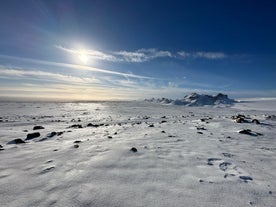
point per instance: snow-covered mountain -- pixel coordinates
(195, 99)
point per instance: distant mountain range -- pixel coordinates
(195, 99)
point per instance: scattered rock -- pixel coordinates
(51, 134)
(249, 132)
(270, 192)
(1, 146)
(78, 126)
(225, 154)
(271, 117)
(32, 135)
(76, 146)
(47, 169)
(256, 121)
(163, 121)
(224, 165)
(77, 141)
(245, 178)
(109, 137)
(163, 132)
(201, 181)
(16, 141)
(60, 133)
(115, 133)
(94, 125)
(38, 127)
(133, 149)
(200, 132)
(212, 160)
(200, 128)
(151, 125)
(25, 130)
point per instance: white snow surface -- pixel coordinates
(187, 156)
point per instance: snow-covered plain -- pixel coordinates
(186, 156)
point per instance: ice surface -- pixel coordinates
(174, 165)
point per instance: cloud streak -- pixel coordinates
(206, 55)
(76, 67)
(141, 55)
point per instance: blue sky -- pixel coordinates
(102, 50)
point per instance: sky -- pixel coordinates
(135, 49)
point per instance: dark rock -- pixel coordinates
(224, 166)
(76, 146)
(246, 131)
(115, 133)
(200, 128)
(249, 132)
(60, 133)
(151, 125)
(94, 125)
(200, 132)
(77, 141)
(47, 170)
(16, 141)
(163, 132)
(256, 121)
(32, 135)
(271, 117)
(270, 192)
(109, 137)
(246, 178)
(212, 160)
(76, 126)
(25, 130)
(225, 154)
(238, 116)
(133, 149)
(240, 120)
(201, 181)
(38, 127)
(51, 134)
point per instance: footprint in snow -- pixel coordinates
(231, 171)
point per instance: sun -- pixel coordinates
(83, 56)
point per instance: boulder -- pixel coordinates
(16, 141)
(38, 127)
(133, 149)
(256, 121)
(32, 135)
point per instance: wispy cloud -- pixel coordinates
(141, 55)
(76, 67)
(45, 76)
(206, 55)
(95, 54)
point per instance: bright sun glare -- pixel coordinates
(83, 56)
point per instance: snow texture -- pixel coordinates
(136, 154)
